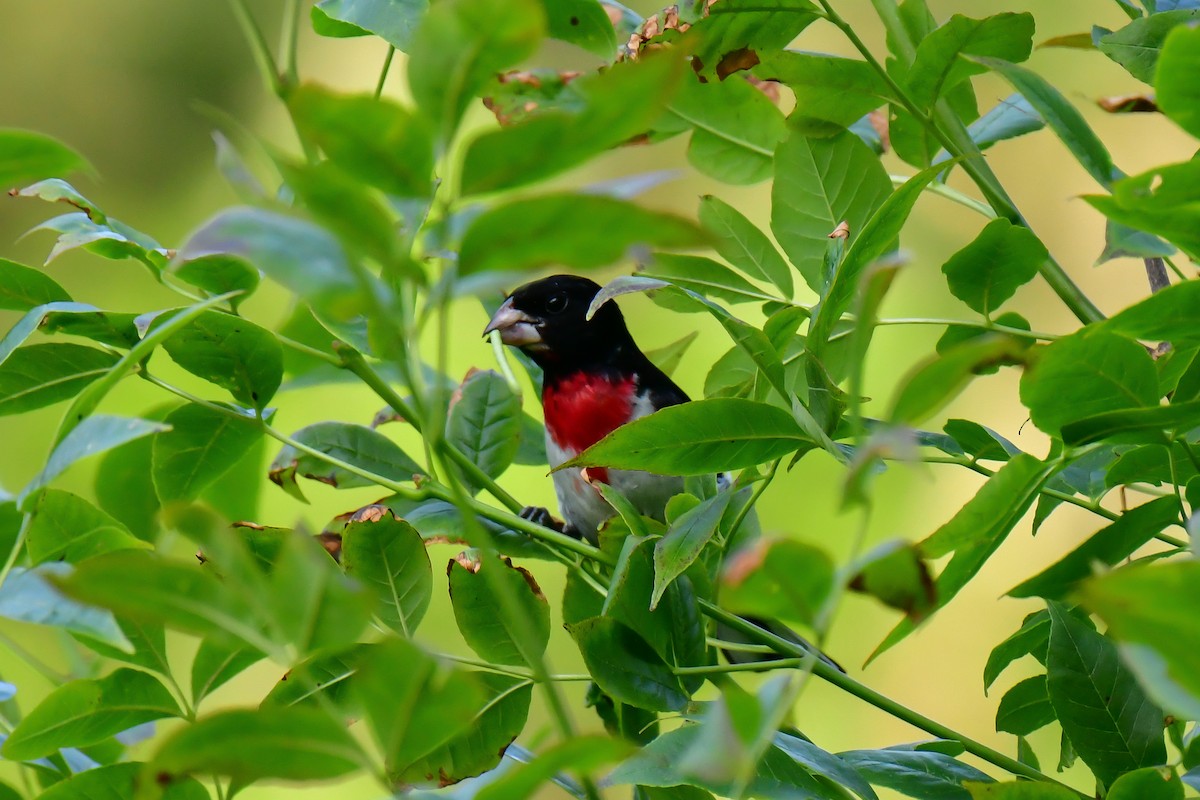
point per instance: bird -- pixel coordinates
(595, 379)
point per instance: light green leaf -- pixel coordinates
(1136, 47)
(1149, 783)
(84, 712)
(581, 22)
(202, 445)
(65, 527)
(95, 434)
(778, 578)
(581, 754)
(704, 277)
(27, 156)
(39, 375)
(112, 781)
(394, 21)
(388, 556)
(1162, 201)
(938, 66)
(23, 288)
(920, 774)
(356, 445)
(1177, 96)
(1023, 790)
(30, 595)
(218, 274)
(216, 663)
(489, 631)
(938, 380)
(1163, 316)
(686, 537)
(743, 245)
(987, 272)
(829, 88)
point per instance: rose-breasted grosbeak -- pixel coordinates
(595, 379)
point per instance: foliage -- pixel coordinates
(392, 212)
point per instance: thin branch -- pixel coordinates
(1156, 273)
(383, 73)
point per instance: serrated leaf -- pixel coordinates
(84, 712)
(1111, 722)
(488, 630)
(388, 556)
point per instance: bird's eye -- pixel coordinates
(556, 303)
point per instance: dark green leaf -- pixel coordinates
(895, 573)
(1030, 639)
(325, 681)
(215, 664)
(478, 609)
(372, 139)
(107, 327)
(829, 88)
(1001, 258)
(824, 764)
(1025, 707)
(980, 442)
(618, 104)
(1062, 117)
(39, 375)
(484, 423)
(23, 288)
(460, 45)
(1121, 241)
(65, 527)
(394, 21)
(699, 437)
(388, 556)
(722, 36)
(1136, 47)
(1163, 316)
(818, 184)
(357, 445)
(1176, 95)
(84, 712)
(291, 743)
(1150, 783)
(218, 274)
(231, 352)
(1023, 790)
(920, 774)
(743, 245)
(938, 67)
(1131, 601)
(1088, 373)
(935, 382)
(781, 578)
(704, 277)
(27, 156)
(735, 128)
(202, 445)
(977, 530)
(1142, 425)
(686, 537)
(299, 255)
(581, 231)
(581, 22)
(626, 667)
(95, 434)
(30, 595)
(1112, 724)
(582, 754)
(114, 781)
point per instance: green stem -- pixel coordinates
(761, 487)
(383, 73)
(981, 325)
(942, 189)
(1178, 272)
(308, 350)
(41, 667)
(868, 695)
(288, 41)
(22, 532)
(258, 47)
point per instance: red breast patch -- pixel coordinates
(582, 409)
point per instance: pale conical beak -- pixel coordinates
(516, 327)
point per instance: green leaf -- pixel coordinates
(977, 530)
(149, 651)
(489, 630)
(323, 681)
(108, 238)
(697, 438)
(987, 272)
(877, 237)
(23, 288)
(686, 537)
(388, 556)
(743, 245)
(202, 445)
(65, 527)
(1130, 601)
(829, 88)
(761, 27)
(1161, 201)
(581, 231)
(356, 445)
(626, 667)
(824, 764)
(231, 352)
(460, 45)
(216, 663)
(1062, 117)
(84, 712)
(1150, 783)
(124, 488)
(895, 573)
(666, 358)
(118, 781)
(484, 423)
(218, 274)
(27, 156)
(1136, 47)
(372, 139)
(1011, 117)
(291, 743)
(920, 774)
(95, 434)
(1030, 639)
(581, 754)
(1110, 721)
(301, 256)
(818, 184)
(938, 380)
(581, 22)
(618, 104)
(1121, 241)
(30, 595)
(1025, 707)
(781, 578)
(1109, 546)
(938, 67)
(1162, 316)
(394, 21)
(39, 375)
(1142, 425)
(735, 129)
(1087, 373)
(1024, 790)
(704, 277)
(1176, 95)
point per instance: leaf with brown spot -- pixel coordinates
(478, 608)
(388, 556)
(1129, 104)
(356, 445)
(897, 576)
(736, 61)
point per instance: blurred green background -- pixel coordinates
(138, 87)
